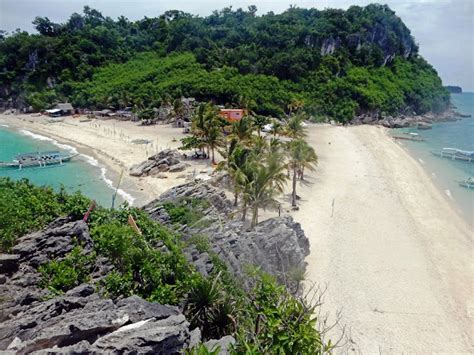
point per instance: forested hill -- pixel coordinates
(334, 63)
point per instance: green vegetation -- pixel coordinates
(62, 275)
(151, 264)
(333, 63)
(25, 207)
(280, 323)
(186, 211)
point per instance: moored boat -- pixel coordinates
(455, 154)
(468, 183)
(37, 159)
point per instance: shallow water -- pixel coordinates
(445, 172)
(82, 173)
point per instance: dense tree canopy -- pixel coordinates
(337, 63)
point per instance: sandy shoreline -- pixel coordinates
(395, 253)
(110, 142)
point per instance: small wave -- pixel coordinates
(125, 195)
(448, 193)
(51, 140)
(4, 125)
(90, 160)
(421, 161)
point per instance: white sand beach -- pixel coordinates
(396, 256)
(111, 142)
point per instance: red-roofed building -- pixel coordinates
(232, 114)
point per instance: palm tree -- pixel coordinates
(265, 178)
(242, 129)
(294, 128)
(295, 105)
(235, 158)
(259, 122)
(207, 307)
(178, 108)
(212, 133)
(300, 156)
(205, 126)
(276, 129)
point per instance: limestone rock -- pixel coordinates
(81, 321)
(166, 160)
(177, 168)
(223, 343)
(40, 247)
(9, 263)
(277, 245)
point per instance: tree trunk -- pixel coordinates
(254, 215)
(244, 211)
(236, 198)
(293, 195)
(213, 158)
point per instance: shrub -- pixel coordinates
(58, 276)
(25, 208)
(187, 211)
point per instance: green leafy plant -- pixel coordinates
(61, 275)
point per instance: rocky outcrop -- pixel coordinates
(406, 120)
(81, 320)
(54, 242)
(222, 344)
(165, 161)
(330, 45)
(278, 245)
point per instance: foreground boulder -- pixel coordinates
(81, 320)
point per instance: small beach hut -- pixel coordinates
(65, 108)
(231, 114)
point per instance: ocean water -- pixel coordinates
(445, 172)
(83, 173)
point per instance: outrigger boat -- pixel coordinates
(468, 183)
(410, 136)
(38, 159)
(455, 154)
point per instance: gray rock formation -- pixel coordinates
(223, 344)
(278, 245)
(56, 241)
(166, 160)
(406, 120)
(80, 321)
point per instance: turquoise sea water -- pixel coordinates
(445, 172)
(82, 173)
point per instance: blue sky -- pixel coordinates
(444, 29)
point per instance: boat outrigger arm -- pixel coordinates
(456, 154)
